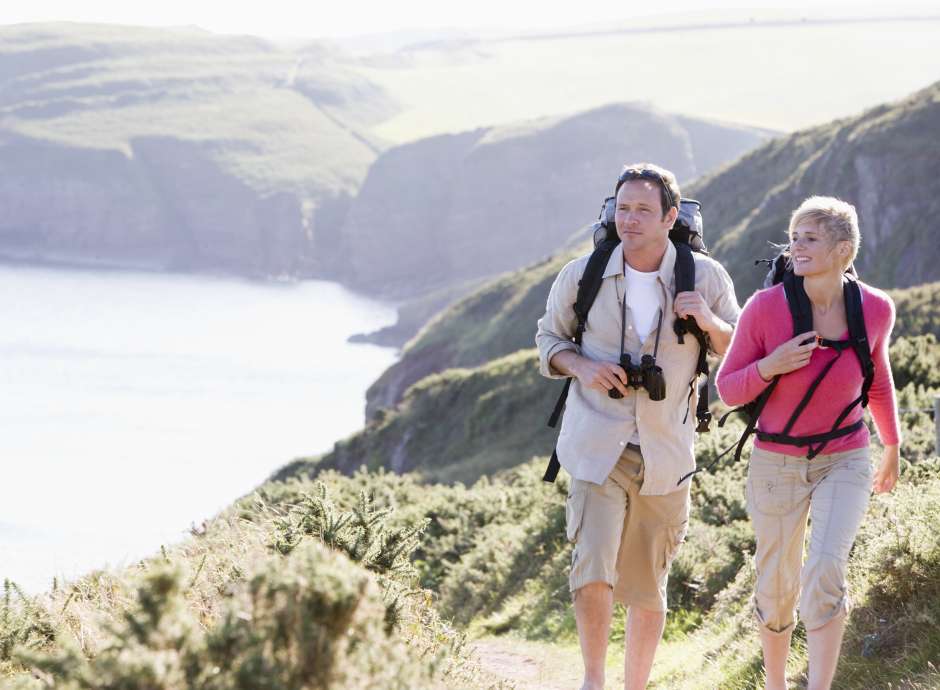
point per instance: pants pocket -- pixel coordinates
(574, 510)
(675, 536)
(770, 491)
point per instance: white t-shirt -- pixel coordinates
(642, 299)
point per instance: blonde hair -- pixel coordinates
(836, 217)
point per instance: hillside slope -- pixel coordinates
(177, 148)
(884, 161)
(454, 208)
(746, 206)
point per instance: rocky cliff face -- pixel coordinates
(457, 207)
(177, 149)
(885, 161)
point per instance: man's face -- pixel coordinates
(639, 216)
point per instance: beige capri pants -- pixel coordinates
(782, 490)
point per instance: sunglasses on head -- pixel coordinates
(646, 174)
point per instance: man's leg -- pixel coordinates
(593, 609)
(651, 538)
(595, 516)
(644, 630)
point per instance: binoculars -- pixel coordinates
(646, 375)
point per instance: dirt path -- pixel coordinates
(534, 665)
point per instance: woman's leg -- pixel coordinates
(824, 645)
(778, 503)
(839, 502)
(776, 648)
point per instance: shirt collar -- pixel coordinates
(666, 268)
(615, 262)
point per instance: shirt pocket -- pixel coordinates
(574, 509)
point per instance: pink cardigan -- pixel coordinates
(766, 323)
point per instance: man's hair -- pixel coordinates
(835, 217)
(669, 193)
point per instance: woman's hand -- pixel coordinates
(886, 476)
(788, 357)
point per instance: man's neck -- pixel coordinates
(646, 260)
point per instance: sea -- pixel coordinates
(135, 405)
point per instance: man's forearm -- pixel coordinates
(565, 362)
(720, 336)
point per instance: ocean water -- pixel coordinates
(133, 405)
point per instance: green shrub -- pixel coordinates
(915, 360)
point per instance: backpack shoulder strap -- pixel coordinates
(590, 284)
(685, 282)
(798, 301)
(684, 273)
(858, 335)
(588, 287)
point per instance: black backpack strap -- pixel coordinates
(858, 335)
(685, 282)
(798, 301)
(684, 273)
(588, 287)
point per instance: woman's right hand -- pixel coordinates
(788, 356)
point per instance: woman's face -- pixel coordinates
(813, 251)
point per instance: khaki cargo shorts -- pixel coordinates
(622, 538)
(782, 491)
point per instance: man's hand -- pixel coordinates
(601, 376)
(886, 476)
(788, 356)
(693, 304)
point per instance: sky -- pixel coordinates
(288, 18)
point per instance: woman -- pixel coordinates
(832, 487)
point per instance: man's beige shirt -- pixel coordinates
(595, 428)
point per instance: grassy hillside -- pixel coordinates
(496, 555)
(458, 425)
(296, 592)
(883, 161)
(499, 318)
(373, 580)
(177, 148)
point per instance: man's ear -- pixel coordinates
(671, 215)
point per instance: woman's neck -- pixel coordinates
(824, 290)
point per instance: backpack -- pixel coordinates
(686, 236)
(801, 312)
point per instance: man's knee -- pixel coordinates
(592, 592)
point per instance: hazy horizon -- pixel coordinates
(361, 20)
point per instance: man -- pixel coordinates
(626, 512)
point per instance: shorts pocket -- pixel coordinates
(770, 491)
(675, 536)
(574, 510)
